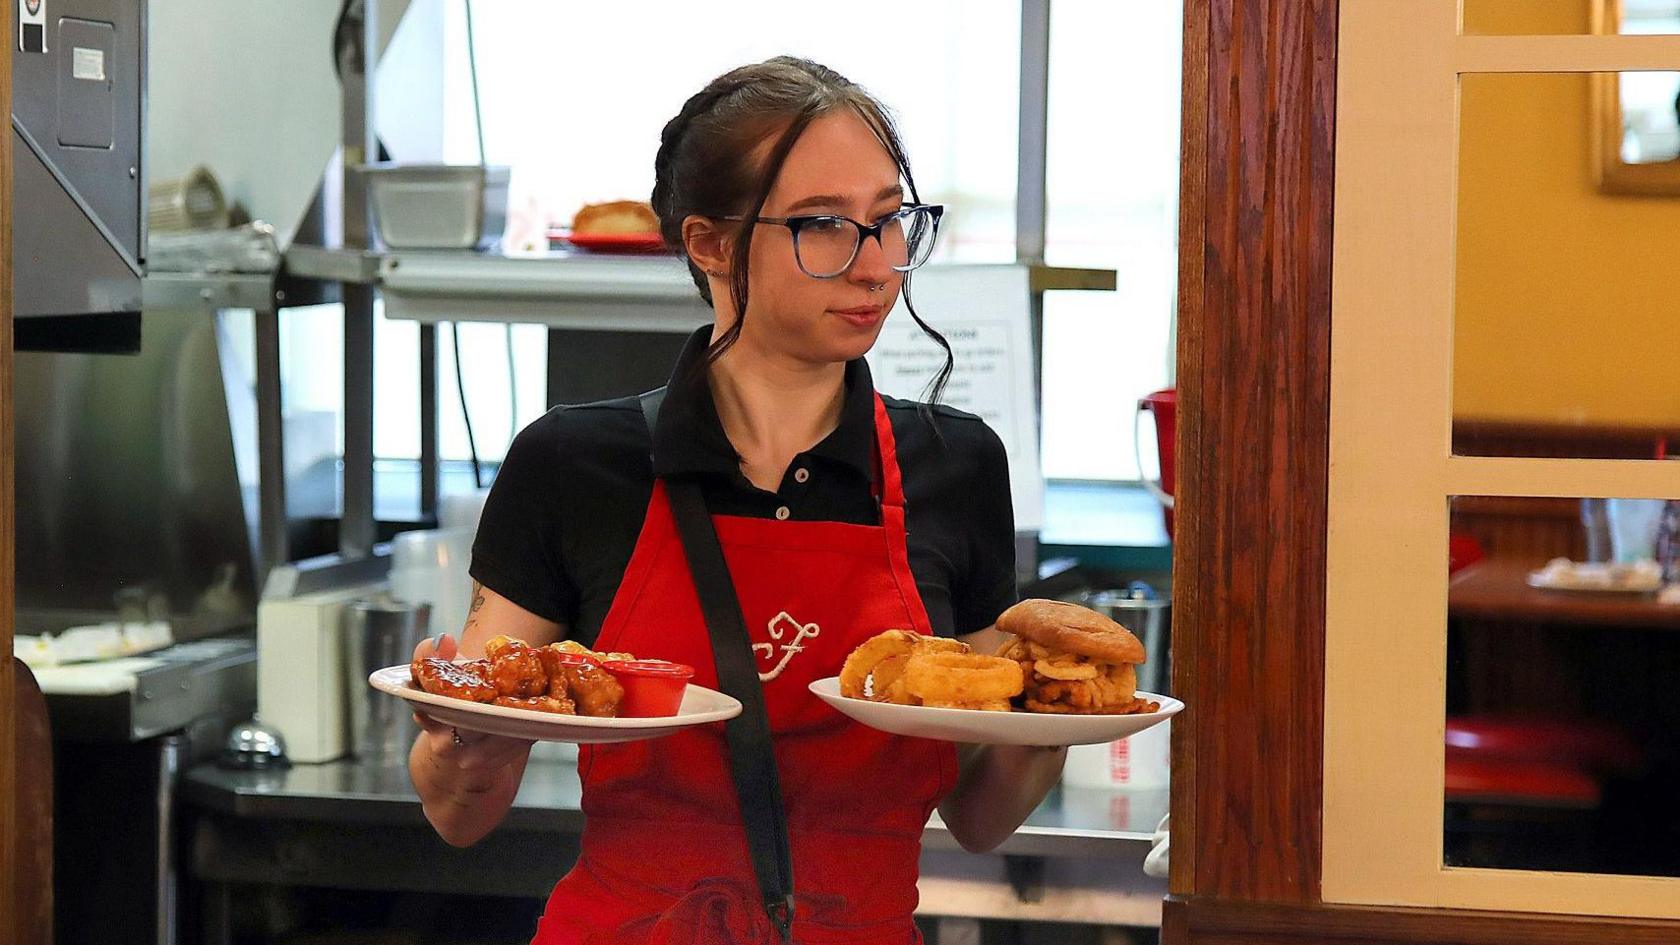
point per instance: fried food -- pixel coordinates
(554, 704)
(596, 691)
(874, 669)
(456, 680)
(516, 670)
(854, 673)
(887, 674)
(1058, 658)
(1073, 659)
(996, 705)
(515, 674)
(962, 679)
(572, 646)
(1133, 707)
(1065, 670)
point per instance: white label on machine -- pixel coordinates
(32, 25)
(985, 313)
(87, 63)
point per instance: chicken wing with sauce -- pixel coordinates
(456, 680)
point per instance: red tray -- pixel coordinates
(613, 242)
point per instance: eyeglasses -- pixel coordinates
(825, 246)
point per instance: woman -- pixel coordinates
(841, 511)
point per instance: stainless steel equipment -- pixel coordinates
(380, 633)
(129, 476)
(78, 105)
(438, 206)
(254, 745)
(1138, 608)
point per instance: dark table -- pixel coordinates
(1497, 589)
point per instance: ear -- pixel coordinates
(707, 243)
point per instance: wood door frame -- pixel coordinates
(8, 543)
(1258, 153)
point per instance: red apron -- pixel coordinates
(664, 856)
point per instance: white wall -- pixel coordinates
(246, 87)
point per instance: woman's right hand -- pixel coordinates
(466, 780)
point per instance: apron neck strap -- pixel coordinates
(887, 485)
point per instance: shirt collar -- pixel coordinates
(689, 437)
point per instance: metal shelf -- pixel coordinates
(213, 290)
(561, 289)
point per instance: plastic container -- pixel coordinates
(652, 688)
(438, 206)
(1633, 528)
(1142, 761)
(462, 509)
(429, 566)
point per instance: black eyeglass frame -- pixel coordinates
(864, 231)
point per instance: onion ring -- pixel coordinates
(897, 694)
(863, 660)
(962, 677)
(879, 662)
(885, 674)
(1065, 671)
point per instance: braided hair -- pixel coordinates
(703, 166)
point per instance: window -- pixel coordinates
(574, 97)
(1112, 189)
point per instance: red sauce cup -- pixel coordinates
(652, 688)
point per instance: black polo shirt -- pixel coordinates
(567, 507)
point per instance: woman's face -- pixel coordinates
(836, 167)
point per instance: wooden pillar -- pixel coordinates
(1254, 381)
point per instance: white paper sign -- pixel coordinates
(985, 313)
(87, 64)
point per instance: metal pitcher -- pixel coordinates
(1140, 609)
(379, 633)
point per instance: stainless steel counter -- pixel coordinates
(1071, 822)
(358, 825)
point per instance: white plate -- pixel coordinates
(1561, 574)
(980, 727)
(699, 706)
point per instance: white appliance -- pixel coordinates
(302, 689)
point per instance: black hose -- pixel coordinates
(466, 415)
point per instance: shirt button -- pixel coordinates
(801, 474)
(782, 513)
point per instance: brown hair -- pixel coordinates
(703, 165)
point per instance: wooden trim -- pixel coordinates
(1476, 437)
(8, 734)
(1210, 922)
(1254, 381)
(1191, 233)
(1616, 176)
(1397, 142)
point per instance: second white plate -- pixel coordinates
(979, 727)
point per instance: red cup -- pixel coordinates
(652, 688)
